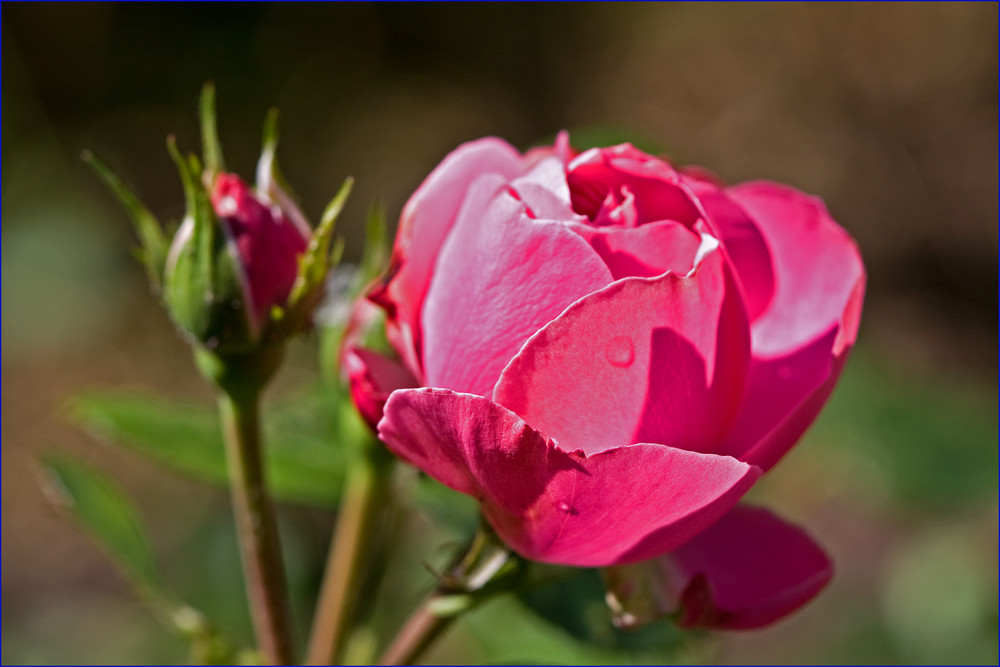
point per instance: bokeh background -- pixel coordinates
(887, 111)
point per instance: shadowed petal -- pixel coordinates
(621, 505)
(748, 570)
(372, 378)
(800, 342)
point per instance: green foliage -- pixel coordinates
(572, 599)
(540, 643)
(109, 516)
(106, 513)
(309, 439)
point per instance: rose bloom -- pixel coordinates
(608, 352)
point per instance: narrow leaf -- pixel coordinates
(305, 452)
(106, 513)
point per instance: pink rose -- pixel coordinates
(611, 353)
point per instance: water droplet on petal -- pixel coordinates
(620, 351)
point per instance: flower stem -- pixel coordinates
(421, 630)
(487, 568)
(350, 549)
(260, 547)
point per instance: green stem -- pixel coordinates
(487, 568)
(350, 549)
(260, 546)
(421, 630)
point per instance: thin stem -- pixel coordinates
(487, 568)
(350, 549)
(260, 546)
(421, 630)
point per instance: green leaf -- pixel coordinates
(572, 599)
(153, 241)
(305, 452)
(111, 518)
(540, 643)
(107, 514)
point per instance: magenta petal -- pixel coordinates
(427, 218)
(800, 342)
(501, 276)
(644, 251)
(268, 243)
(372, 378)
(658, 360)
(543, 189)
(816, 265)
(621, 505)
(743, 242)
(748, 570)
(595, 173)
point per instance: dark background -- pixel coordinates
(887, 111)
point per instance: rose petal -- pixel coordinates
(800, 342)
(816, 265)
(746, 571)
(268, 243)
(644, 360)
(372, 377)
(501, 276)
(644, 251)
(427, 218)
(743, 242)
(621, 505)
(595, 173)
(543, 189)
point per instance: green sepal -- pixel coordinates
(321, 253)
(153, 242)
(271, 183)
(211, 148)
(204, 287)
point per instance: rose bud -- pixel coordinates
(610, 353)
(244, 269)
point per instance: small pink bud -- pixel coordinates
(267, 242)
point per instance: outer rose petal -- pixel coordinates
(427, 218)
(746, 571)
(372, 378)
(800, 342)
(644, 360)
(618, 506)
(500, 277)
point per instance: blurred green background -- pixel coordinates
(888, 111)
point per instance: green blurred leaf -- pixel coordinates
(572, 599)
(538, 642)
(305, 453)
(107, 514)
(111, 518)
